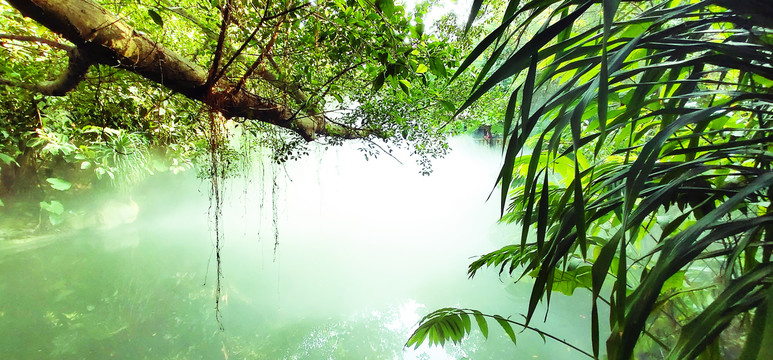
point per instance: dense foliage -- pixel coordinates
(642, 175)
(367, 68)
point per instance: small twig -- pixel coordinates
(51, 43)
(384, 151)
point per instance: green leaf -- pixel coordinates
(466, 323)
(386, 6)
(156, 17)
(473, 13)
(405, 85)
(59, 184)
(437, 67)
(448, 105)
(53, 207)
(675, 282)
(421, 69)
(506, 326)
(7, 159)
(378, 82)
(55, 219)
(482, 324)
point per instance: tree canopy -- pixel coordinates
(103, 86)
(277, 62)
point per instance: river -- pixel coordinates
(365, 249)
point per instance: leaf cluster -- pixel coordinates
(648, 157)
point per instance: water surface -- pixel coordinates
(366, 248)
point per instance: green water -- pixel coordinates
(365, 250)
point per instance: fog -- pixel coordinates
(365, 249)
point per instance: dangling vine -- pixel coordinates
(216, 136)
(274, 208)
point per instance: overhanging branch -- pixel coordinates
(103, 38)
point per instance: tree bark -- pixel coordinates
(102, 38)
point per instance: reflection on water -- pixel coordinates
(366, 249)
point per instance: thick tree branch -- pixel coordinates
(103, 38)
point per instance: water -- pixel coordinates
(366, 248)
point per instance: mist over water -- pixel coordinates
(366, 248)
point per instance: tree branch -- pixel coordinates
(264, 73)
(103, 38)
(51, 43)
(77, 68)
(214, 68)
(246, 42)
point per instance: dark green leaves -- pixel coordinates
(378, 82)
(640, 147)
(454, 324)
(155, 17)
(441, 325)
(386, 6)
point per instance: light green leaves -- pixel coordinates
(54, 211)
(53, 207)
(59, 184)
(7, 159)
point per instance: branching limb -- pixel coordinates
(214, 68)
(102, 38)
(51, 43)
(252, 36)
(77, 68)
(257, 63)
